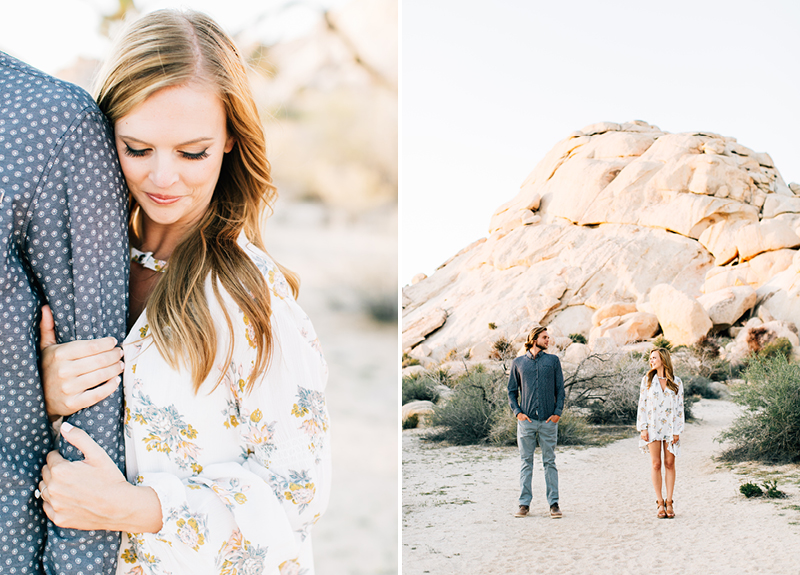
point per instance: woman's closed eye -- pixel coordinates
(198, 156)
(133, 153)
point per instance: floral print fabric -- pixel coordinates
(241, 477)
(661, 413)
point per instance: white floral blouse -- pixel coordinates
(241, 477)
(661, 413)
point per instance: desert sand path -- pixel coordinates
(458, 504)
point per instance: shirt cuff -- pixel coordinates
(171, 495)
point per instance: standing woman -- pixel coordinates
(226, 428)
(660, 420)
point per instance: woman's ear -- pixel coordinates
(229, 143)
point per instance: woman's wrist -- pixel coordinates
(140, 511)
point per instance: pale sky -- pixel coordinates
(488, 88)
(50, 34)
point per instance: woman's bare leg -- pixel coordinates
(655, 466)
(669, 471)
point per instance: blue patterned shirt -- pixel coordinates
(63, 241)
(536, 386)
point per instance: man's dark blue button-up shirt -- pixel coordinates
(536, 386)
(63, 241)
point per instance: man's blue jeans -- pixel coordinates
(529, 433)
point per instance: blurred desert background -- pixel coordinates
(325, 78)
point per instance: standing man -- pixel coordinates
(63, 241)
(536, 395)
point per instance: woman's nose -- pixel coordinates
(163, 173)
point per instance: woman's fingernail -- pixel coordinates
(66, 427)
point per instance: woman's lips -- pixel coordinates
(163, 200)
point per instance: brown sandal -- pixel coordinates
(669, 510)
(661, 511)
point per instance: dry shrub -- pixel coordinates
(502, 350)
(419, 387)
(757, 338)
(769, 428)
(468, 415)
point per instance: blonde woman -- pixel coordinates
(226, 428)
(660, 420)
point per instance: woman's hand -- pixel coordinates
(645, 436)
(93, 493)
(76, 374)
(675, 439)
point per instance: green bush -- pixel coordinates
(577, 337)
(772, 491)
(573, 430)
(617, 402)
(419, 388)
(468, 415)
(409, 361)
(440, 376)
(492, 325)
(701, 386)
(750, 490)
(769, 428)
(709, 364)
(661, 341)
(411, 422)
(779, 347)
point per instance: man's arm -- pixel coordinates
(559, 388)
(76, 244)
(513, 390)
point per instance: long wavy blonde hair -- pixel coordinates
(666, 360)
(168, 48)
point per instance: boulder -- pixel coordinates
(576, 353)
(727, 305)
(683, 320)
(416, 331)
(633, 327)
(423, 410)
(575, 319)
(418, 278)
(413, 370)
(611, 310)
(603, 345)
(763, 236)
(610, 212)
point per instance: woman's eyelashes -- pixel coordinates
(197, 156)
(134, 153)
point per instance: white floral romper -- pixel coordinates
(661, 413)
(241, 477)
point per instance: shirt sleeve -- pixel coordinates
(678, 421)
(641, 413)
(513, 390)
(76, 246)
(559, 388)
(259, 507)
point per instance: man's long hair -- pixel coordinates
(532, 337)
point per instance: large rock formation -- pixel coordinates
(609, 214)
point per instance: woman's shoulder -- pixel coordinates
(266, 265)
